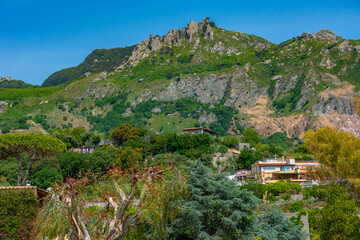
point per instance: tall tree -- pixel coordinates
(29, 146)
(215, 209)
(275, 225)
(339, 218)
(123, 133)
(338, 152)
(250, 135)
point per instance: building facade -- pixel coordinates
(272, 170)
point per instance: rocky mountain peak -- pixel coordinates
(208, 28)
(190, 30)
(325, 35)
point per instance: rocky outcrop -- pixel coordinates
(3, 106)
(99, 91)
(190, 30)
(325, 35)
(237, 89)
(207, 118)
(207, 89)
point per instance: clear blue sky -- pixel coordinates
(39, 37)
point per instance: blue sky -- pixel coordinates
(40, 37)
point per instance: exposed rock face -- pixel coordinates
(207, 118)
(237, 88)
(3, 106)
(208, 30)
(99, 91)
(190, 30)
(325, 35)
(207, 89)
(172, 37)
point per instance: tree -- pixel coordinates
(31, 147)
(129, 158)
(216, 207)
(123, 133)
(131, 200)
(250, 135)
(248, 157)
(275, 225)
(338, 152)
(339, 218)
(356, 103)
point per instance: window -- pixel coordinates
(268, 168)
(286, 168)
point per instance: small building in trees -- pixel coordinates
(241, 146)
(200, 130)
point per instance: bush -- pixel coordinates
(286, 196)
(281, 187)
(223, 149)
(230, 141)
(296, 206)
(18, 213)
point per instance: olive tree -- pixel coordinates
(31, 146)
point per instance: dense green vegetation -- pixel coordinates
(98, 61)
(16, 84)
(18, 214)
(208, 206)
(185, 107)
(20, 94)
(281, 140)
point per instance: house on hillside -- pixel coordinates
(241, 146)
(200, 130)
(272, 170)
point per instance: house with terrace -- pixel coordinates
(272, 170)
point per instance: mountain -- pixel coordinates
(225, 80)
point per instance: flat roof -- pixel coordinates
(275, 164)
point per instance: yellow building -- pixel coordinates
(271, 170)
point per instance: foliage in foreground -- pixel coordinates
(18, 212)
(275, 225)
(129, 199)
(218, 209)
(339, 154)
(338, 219)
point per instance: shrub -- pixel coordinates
(296, 206)
(18, 213)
